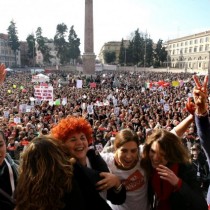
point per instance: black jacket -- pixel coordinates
(6, 200)
(87, 178)
(189, 197)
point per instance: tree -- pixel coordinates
(138, 48)
(74, 43)
(149, 52)
(42, 45)
(31, 48)
(160, 54)
(109, 56)
(129, 53)
(13, 39)
(60, 43)
(122, 55)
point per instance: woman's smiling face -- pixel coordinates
(127, 155)
(77, 145)
(157, 156)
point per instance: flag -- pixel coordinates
(148, 85)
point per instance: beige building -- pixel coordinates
(53, 61)
(7, 55)
(189, 52)
(113, 46)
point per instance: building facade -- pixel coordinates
(7, 55)
(113, 46)
(54, 60)
(189, 52)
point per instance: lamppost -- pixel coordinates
(125, 57)
(167, 56)
(209, 69)
(5, 53)
(145, 50)
(33, 52)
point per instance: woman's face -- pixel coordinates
(78, 146)
(2, 149)
(157, 156)
(127, 155)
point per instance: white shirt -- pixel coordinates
(135, 182)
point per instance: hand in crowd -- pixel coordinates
(198, 101)
(200, 95)
(168, 175)
(110, 180)
(2, 73)
(190, 106)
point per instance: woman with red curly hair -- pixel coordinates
(76, 134)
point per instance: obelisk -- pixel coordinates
(89, 56)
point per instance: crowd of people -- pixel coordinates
(134, 141)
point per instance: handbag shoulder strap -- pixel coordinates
(6, 195)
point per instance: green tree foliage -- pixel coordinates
(74, 43)
(43, 46)
(13, 38)
(138, 48)
(160, 54)
(109, 56)
(122, 55)
(31, 48)
(149, 52)
(60, 43)
(129, 54)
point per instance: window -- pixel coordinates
(195, 41)
(185, 50)
(186, 43)
(190, 42)
(207, 39)
(201, 40)
(201, 48)
(195, 49)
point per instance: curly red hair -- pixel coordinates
(70, 125)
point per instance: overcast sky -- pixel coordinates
(113, 19)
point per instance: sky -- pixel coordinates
(113, 19)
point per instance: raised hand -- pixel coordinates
(200, 94)
(2, 73)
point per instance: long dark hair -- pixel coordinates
(45, 175)
(170, 144)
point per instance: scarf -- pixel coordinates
(162, 189)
